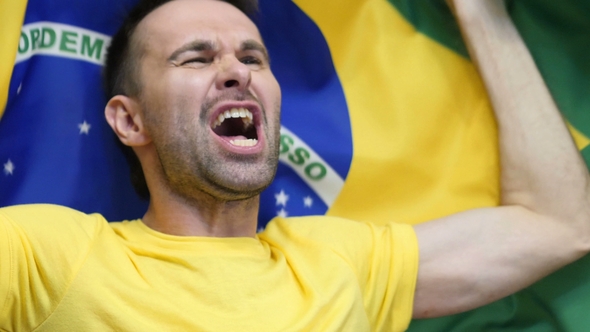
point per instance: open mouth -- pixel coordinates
(237, 126)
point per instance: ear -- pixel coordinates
(122, 114)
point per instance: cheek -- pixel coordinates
(270, 94)
(183, 84)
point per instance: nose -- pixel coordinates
(233, 74)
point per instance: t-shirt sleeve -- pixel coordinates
(391, 282)
(383, 258)
(41, 249)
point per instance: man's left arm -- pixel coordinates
(479, 256)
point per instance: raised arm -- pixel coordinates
(475, 257)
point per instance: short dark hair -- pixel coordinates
(120, 72)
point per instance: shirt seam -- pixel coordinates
(410, 257)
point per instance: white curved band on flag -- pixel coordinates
(329, 186)
(62, 40)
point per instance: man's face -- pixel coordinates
(210, 102)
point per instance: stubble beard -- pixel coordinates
(193, 166)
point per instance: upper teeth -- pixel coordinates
(241, 112)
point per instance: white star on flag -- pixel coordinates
(283, 213)
(282, 198)
(307, 202)
(8, 167)
(84, 127)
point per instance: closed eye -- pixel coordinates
(196, 60)
(251, 60)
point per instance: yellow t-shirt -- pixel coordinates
(62, 270)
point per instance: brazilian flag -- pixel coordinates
(384, 119)
(11, 18)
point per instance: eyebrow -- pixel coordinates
(205, 45)
(195, 46)
(253, 45)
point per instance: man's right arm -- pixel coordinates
(475, 257)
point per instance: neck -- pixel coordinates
(206, 216)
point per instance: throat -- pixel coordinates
(205, 216)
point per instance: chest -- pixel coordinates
(130, 291)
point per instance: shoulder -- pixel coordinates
(43, 247)
(51, 222)
(349, 237)
(328, 228)
(383, 258)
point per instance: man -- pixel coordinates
(194, 96)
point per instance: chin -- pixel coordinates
(236, 186)
(243, 190)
